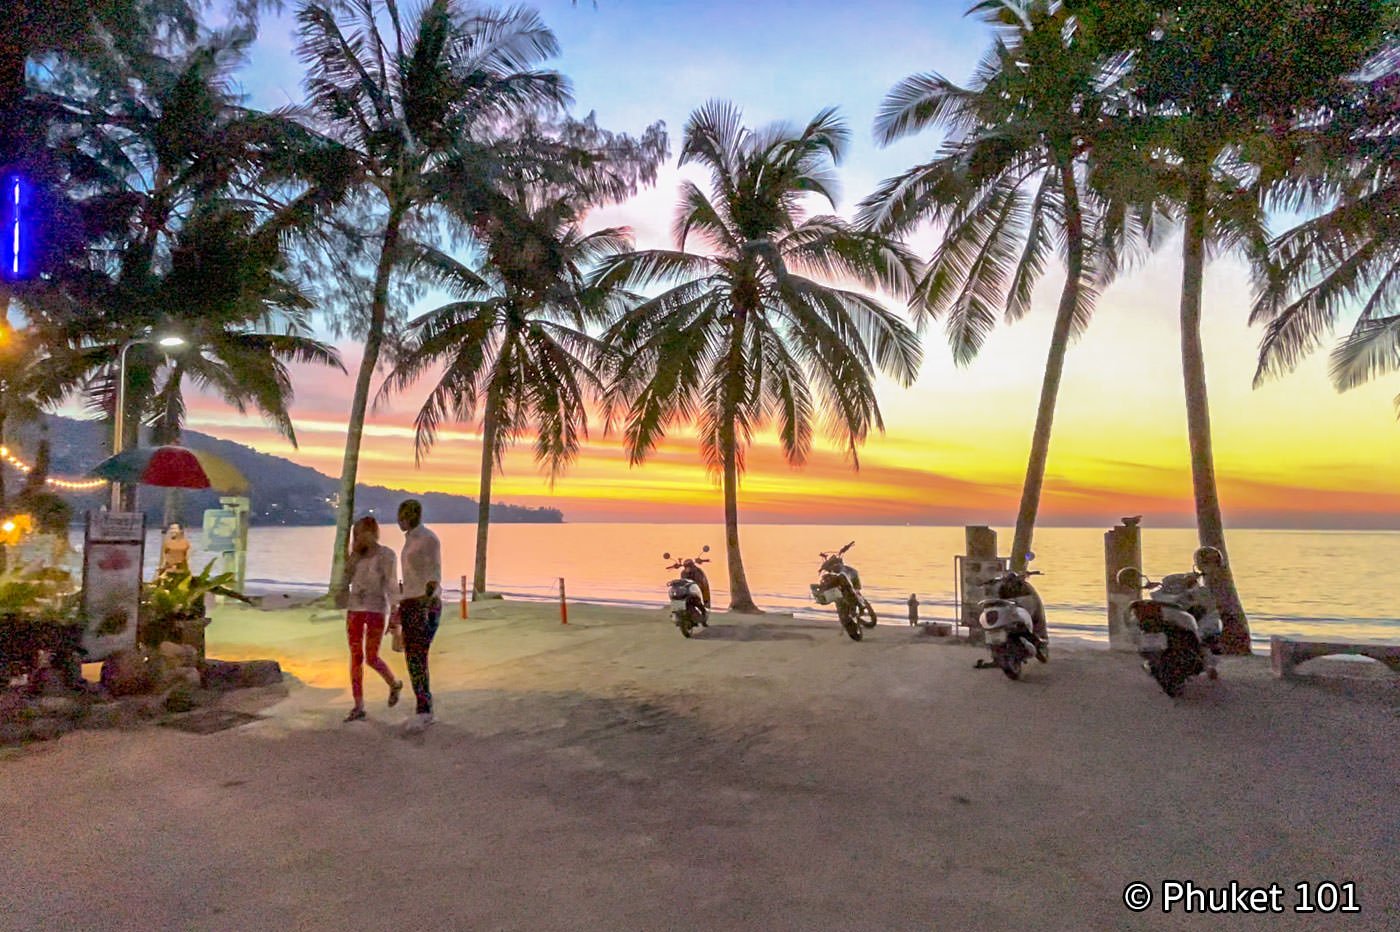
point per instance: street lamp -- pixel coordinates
(166, 342)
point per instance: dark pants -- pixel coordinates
(419, 618)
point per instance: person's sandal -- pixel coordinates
(394, 693)
(356, 715)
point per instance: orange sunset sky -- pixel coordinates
(1292, 454)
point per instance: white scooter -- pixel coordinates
(1179, 623)
(690, 593)
(1008, 620)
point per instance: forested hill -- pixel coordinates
(283, 492)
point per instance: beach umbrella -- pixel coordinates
(171, 467)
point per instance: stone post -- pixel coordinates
(979, 563)
(1122, 546)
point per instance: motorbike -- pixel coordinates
(1008, 620)
(690, 592)
(839, 584)
(1179, 625)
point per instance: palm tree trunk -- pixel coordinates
(488, 470)
(1054, 369)
(740, 599)
(359, 403)
(1210, 525)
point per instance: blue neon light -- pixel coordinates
(16, 229)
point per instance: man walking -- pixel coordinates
(420, 605)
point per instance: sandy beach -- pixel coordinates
(767, 774)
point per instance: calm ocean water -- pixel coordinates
(1339, 585)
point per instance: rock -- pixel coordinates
(180, 698)
(13, 708)
(13, 732)
(223, 674)
(146, 706)
(105, 715)
(125, 674)
(46, 729)
(256, 673)
(220, 674)
(46, 681)
(60, 706)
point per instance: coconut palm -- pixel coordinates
(406, 100)
(753, 331)
(169, 164)
(1213, 87)
(1009, 186)
(1349, 253)
(513, 344)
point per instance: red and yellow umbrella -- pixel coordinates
(171, 467)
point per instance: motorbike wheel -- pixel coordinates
(697, 617)
(848, 621)
(1009, 660)
(869, 610)
(1170, 673)
(683, 622)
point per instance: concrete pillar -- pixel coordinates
(1122, 546)
(979, 563)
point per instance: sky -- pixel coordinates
(1293, 453)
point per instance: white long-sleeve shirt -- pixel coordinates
(375, 585)
(421, 563)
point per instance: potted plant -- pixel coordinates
(173, 608)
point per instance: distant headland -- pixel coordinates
(284, 493)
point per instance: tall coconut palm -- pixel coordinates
(513, 344)
(1350, 252)
(1212, 84)
(753, 331)
(1009, 186)
(405, 95)
(170, 165)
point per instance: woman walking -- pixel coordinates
(374, 582)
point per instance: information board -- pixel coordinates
(113, 548)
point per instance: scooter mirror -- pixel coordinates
(705, 549)
(665, 556)
(1129, 578)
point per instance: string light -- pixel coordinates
(70, 485)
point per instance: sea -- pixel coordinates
(1333, 585)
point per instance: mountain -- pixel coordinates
(284, 492)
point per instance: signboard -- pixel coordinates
(226, 533)
(113, 547)
(220, 531)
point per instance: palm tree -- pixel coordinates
(513, 344)
(745, 336)
(1351, 251)
(405, 106)
(1213, 84)
(1010, 184)
(171, 177)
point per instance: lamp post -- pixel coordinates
(119, 419)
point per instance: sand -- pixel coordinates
(767, 774)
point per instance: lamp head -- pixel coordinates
(171, 342)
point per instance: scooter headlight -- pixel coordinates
(989, 618)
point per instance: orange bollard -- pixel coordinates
(464, 597)
(563, 605)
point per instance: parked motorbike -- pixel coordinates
(1008, 620)
(690, 593)
(1179, 623)
(839, 584)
